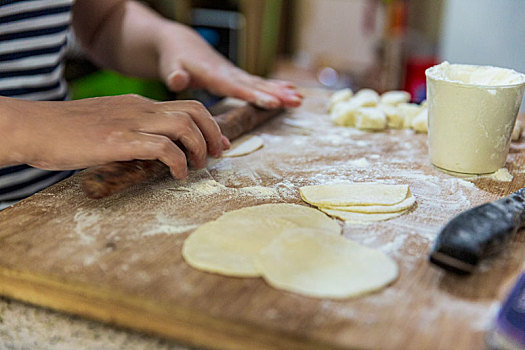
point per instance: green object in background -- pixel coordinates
(109, 83)
(270, 34)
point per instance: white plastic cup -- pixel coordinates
(471, 113)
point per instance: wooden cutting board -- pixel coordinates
(118, 260)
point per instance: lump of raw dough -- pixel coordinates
(339, 96)
(420, 122)
(395, 97)
(343, 114)
(516, 132)
(395, 119)
(501, 174)
(244, 145)
(370, 118)
(229, 244)
(316, 265)
(409, 112)
(367, 110)
(367, 97)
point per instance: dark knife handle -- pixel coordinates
(477, 233)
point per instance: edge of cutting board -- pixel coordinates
(178, 323)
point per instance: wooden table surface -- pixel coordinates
(118, 260)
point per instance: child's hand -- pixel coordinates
(186, 60)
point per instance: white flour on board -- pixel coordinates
(86, 226)
(310, 152)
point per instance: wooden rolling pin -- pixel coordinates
(105, 180)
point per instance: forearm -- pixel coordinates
(124, 36)
(9, 132)
(132, 39)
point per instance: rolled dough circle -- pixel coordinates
(316, 265)
(361, 218)
(244, 145)
(229, 244)
(376, 209)
(354, 194)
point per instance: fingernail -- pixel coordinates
(226, 144)
(178, 80)
(285, 83)
(267, 101)
(293, 92)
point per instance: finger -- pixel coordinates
(205, 122)
(178, 126)
(152, 146)
(283, 90)
(178, 78)
(261, 89)
(251, 95)
(283, 83)
(225, 143)
(289, 97)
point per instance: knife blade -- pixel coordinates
(478, 233)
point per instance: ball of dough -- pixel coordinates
(339, 96)
(516, 132)
(420, 122)
(367, 97)
(395, 97)
(409, 111)
(395, 119)
(370, 118)
(343, 114)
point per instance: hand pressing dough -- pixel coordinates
(360, 218)
(376, 209)
(354, 194)
(229, 244)
(307, 262)
(244, 145)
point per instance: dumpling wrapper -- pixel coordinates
(306, 262)
(229, 245)
(376, 209)
(244, 145)
(354, 194)
(360, 218)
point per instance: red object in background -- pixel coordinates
(415, 80)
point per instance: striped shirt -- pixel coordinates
(33, 36)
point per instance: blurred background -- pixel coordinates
(380, 44)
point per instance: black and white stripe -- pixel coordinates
(33, 37)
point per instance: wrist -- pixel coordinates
(11, 140)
